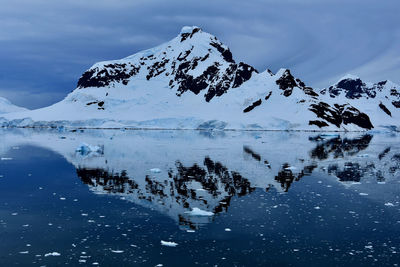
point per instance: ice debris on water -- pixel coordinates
(55, 254)
(117, 251)
(85, 149)
(168, 243)
(200, 212)
(389, 204)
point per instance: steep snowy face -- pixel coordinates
(7, 107)
(353, 87)
(314, 110)
(193, 61)
(384, 94)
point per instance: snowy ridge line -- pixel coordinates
(194, 82)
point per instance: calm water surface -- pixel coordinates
(223, 198)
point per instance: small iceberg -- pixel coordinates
(168, 243)
(55, 254)
(199, 212)
(86, 149)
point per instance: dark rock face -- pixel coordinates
(385, 109)
(287, 83)
(318, 123)
(110, 73)
(225, 52)
(100, 104)
(252, 106)
(243, 74)
(268, 96)
(355, 88)
(341, 114)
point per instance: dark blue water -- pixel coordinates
(47, 204)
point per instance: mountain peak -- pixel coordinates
(190, 29)
(348, 77)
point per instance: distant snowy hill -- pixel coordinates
(7, 107)
(194, 82)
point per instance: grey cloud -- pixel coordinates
(46, 45)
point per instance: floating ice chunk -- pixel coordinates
(168, 243)
(389, 204)
(227, 230)
(55, 254)
(363, 194)
(317, 208)
(117, 251)
(24, 252)
(6, 158)
(199, 212)
(155, 170)
(86, 149)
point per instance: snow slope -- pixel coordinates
(7, 107)
(193, 82)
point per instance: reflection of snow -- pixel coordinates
(89, 150)
(202, 173)
(199, 212)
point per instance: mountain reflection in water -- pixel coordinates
(210, 185)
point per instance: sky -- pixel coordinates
(45, 45)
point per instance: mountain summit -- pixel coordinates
(194, 82)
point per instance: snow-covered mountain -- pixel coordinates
(7, 107)
(194, 82)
